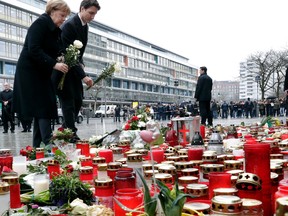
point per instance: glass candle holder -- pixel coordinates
(86, 174)
(158, 155)
(195, 153)
(112, 169)
(4, 197)
(85, 161)
(19, 165)
(107, 154)
(104, 192)
(124, 179)
(40, 153)
(102, 171)
(131, 198)
(41, 183)
(14, 186)
(6, 159)
(53, 168)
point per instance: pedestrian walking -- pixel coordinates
(6, 97)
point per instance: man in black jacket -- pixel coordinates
(71, 96)
(203, 95)
(6, 97)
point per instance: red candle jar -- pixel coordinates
(112, 169)
(218, 180)
(202, 131)
(84, 146)
(85, 161)
(6, 159)
(53, 168)
(282, 192)
(104, 192)
(86, 174)
(124, 179)
(195, 153)
(257, 161)
(157, 154)
(129, 197)
(107, 154)
(40, 153)
(13, 181)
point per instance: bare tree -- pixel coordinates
(269, 67)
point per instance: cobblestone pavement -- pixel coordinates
(89, 127)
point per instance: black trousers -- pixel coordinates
(70, 109)
(205, 112)
(8, 117)
(42, 131)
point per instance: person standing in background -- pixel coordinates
(33, 92)
(71, 96)
(203, 96)
(6, 97)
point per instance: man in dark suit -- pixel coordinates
(203, 95)
(71, 96)
(6, 97)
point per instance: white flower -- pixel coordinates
(79, 207)
(141, 124)
(78, 44)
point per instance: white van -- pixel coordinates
(110, 110)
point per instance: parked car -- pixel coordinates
(110, 110)
(79, 118)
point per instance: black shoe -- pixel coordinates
(5, 131)
(29, 130)
(12, 131)
(24, 131)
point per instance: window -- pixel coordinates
(10, 69)
(116, 83)
(125, 84)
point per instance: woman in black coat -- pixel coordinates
(33, 94)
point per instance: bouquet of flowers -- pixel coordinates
(62, 136)
(107, 72)
(71, 58)
(137, 121)
(29, 152)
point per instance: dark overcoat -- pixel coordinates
(72, 30)
(33, 93)
(203, 88)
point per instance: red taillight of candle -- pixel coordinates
(131, 198)
(202, 131)
(257, 161)
(218, 180)
(53, 168)
(107, 154)
(195, 153)
(13, 181)
(40, 153)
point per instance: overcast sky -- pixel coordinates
(216, 33)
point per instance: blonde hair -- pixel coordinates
(54, 5)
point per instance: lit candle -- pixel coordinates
(158, 155)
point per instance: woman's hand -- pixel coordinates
(61, 67)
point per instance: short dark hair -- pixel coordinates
(89, 3)
(204, 69)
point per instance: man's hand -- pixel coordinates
(88, 81)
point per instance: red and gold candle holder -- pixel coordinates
(158, 155)
(86, 174)
(86, 161)
(14, 186)
(207, 168)
(6, 159)
(281, 206)
(165, 178)
(124, 179)
(104, 192)
(232, 165)
(40, 153)
(112, 169)
(186, 180)
(173, 158)
(225, 204)
(102, 171)
(225, 191)
(195, 153)
(198, 191)
(190, 172)
(53, 168)
(252, 207)
(218, 180)
(84, 146)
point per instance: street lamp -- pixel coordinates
(257, 79)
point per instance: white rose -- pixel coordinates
(78, 207)
(78, 44)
